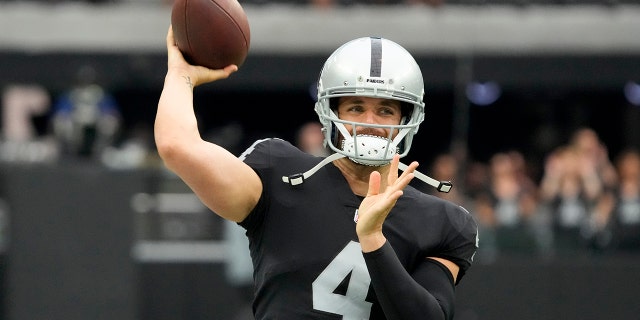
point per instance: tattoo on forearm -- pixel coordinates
(189, 83)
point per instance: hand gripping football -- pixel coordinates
(211, 33)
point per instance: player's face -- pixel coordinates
(370, 110)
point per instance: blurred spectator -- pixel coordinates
(476, 178)
(476, 189)
(567, 197)
(515, 204)
(310, 139)
(23, 139)
(445, 167)
(504, 200)
(594, 154)
(135, 151)
(86, 118)
(20, 103)
(624, 220)
(575, 188)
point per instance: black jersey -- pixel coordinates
(308, 263)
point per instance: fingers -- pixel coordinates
(398, 183)
(393, 171)
(208, 75)
(170, 40)
(174, 56)
(374, 183)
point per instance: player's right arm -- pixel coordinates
(224, 183)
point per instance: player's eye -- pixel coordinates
(355, 108)
(387, 111)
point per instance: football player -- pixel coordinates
(342, 236)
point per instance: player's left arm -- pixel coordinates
(428, 292)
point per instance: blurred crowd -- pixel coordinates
(83, 122)
(583, 202)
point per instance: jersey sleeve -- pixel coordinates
(258, 157)
(462, 239)
(271, 158)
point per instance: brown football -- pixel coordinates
(211, 33)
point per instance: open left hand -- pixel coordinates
(376, 206)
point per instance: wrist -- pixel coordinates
(371, 242)
(177, 73)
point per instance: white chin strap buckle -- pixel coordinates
(442, 186)
(369, 150)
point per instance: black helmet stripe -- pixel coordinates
(376, 57)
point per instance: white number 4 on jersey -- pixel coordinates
(351, 305)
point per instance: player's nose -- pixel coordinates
(369, 116)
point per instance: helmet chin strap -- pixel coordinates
(442, 186)
(299, 178)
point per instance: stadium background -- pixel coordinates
(74, 245)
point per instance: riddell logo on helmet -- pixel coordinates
(375, 80)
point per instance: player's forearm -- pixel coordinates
(175, 123)
(400, 296)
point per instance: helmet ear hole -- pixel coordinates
(333, 104)
(335, 139)
(406, 109)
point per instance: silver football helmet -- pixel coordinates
(377, 68)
